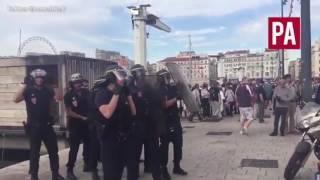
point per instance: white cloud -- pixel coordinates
(157, 43)
(76, 12)
(183, 8)
(121, 40)
(199, 37)
(63, 26)
(196, 32)
(254, 27)
(207, 44)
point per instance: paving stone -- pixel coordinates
(207, 157)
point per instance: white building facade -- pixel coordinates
(315, 62)
(236, 64)
(196, 68)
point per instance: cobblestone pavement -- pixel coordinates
(209, 157)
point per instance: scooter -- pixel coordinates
(309, 125)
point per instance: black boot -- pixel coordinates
(34, 177)
(70, 175)
(178, 170)
(147, 169)
(165, 173)
(95, 175)
(86, 168)
(274, 134)
(57, 176)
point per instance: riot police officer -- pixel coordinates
(94, 125)
(76, 103)
(173, 126)
(117, 111)
(38, 98)
(149, 124)
(143, 130)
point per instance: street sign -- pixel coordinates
(284, 33)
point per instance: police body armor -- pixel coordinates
(155, 113)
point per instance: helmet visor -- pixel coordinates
(121, 74)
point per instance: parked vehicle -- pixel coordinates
(309, 125)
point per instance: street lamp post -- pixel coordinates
(281, 55)
(306, 50)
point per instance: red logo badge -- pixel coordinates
(284, 33)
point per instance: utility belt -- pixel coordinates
(106, 131)
(28, 126)
(37, 124)
(122, 137)
(77, 123)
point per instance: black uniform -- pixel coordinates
(94, 124)
(152, 99)
(174, 130)
(117, 143)
(39, 127)
(140, 125)
(78, 128)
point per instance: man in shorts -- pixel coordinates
(244, 101)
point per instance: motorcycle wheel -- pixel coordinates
(296, 160)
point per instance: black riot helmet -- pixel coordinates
(138, 71)
(112, 74)
(164, 76)
(38, 73)
(35, 75)
(75, 78)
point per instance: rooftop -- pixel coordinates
(237, 52)
(172, 59)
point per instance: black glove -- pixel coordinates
(28, 80)
(126, 90)
(117, 90)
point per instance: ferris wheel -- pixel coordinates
(36, 40)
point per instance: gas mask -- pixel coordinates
(165, 77)
(120, 74)
(172, 82)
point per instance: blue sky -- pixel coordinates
(215, 25)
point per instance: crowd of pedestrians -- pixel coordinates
(251, 98)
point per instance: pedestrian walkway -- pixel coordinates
(209, 157)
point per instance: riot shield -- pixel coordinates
(182, 85)
(154, 97)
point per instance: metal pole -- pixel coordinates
(282, 51)
(306, 50)
(262, 69)
(190, 56)
(140, 41)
